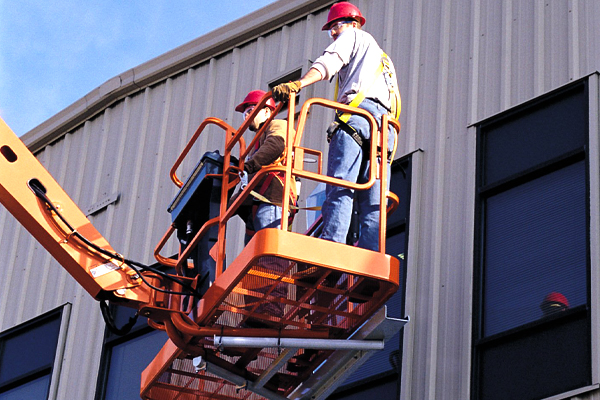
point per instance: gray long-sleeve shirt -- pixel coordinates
(356, 57)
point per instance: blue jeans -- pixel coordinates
(266, 216)
(347, 161)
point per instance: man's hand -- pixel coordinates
(282, 91)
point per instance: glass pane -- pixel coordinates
(400, 186)
(535, 245)
(28, 350)
(127, 362)
(546, 131)
(34, 390)
(539, 363)
(121, 317)
(395, 246)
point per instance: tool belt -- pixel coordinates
(338, 123)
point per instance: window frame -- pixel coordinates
(590, 154)
(62, 314)
(396, 228)
(112, 340)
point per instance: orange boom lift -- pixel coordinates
(222, 344)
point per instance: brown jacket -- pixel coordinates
(270, 151)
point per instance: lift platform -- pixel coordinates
(326, 303)
(289, 317)
(288, 305)
(205, 377)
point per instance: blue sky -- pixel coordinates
(52, 53)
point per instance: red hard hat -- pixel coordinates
(556, 297)
(252, 99)
(343, 10)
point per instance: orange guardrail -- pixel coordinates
(292, 167)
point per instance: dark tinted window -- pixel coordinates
(535, 244)
(31, 390)
(535, 135)
(27, 355)
(532, 325)
(127, 361)
(125, 357)
(385, 364)
(540, 362)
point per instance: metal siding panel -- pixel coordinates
(522, 50)
(250, 73)
(311, 31)
(589, 42)
(134, 142)
(183, 125)
(558, 49)
(155, 166)
(491, 34)
(270, 68)
(114, 172)
(11, 276)
(407, 62)
(452, 255)
(176, 128)
(201, 91)
(594, 193)
(295, 40)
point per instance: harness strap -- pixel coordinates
(261, 198)
(342, 118)
(360, 96)
(338, 123)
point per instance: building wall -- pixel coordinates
(458, 62)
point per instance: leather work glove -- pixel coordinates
(282, 91)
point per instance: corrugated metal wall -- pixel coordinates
(458, 62)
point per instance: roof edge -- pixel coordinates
(168, 64)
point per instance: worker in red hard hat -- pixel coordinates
(554, 302)
(366, 79)
(269, 150)
(343, 11)
(264, 208)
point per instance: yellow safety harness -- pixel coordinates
(383, 68)
(341, 120)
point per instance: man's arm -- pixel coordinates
(282, 91)
(271, 150)
(267, 153)
(313, 75)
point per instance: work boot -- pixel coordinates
(366, 288)
(308, 275)
(258, 324)
(300, 362)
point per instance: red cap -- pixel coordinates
(253, 98)
(556, 297)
